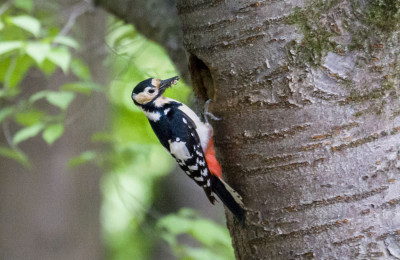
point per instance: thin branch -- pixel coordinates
(8, 136)
(78, 10)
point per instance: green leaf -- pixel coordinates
(15, 155)
(67, 41)
(27, 132)
(5, 112)
(47, 67)
(30, 117)
(81, 87)
(27, 23)
(9, 46)
(52, 133)
(60, 99)
(38, 95)
(26, 5)
(17, 70)
(214, 238)
(120, 32)
(81, 70)
(82, 158)
(61, 57)
(37, 51)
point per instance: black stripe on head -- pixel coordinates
(141, 86)
(146, 92)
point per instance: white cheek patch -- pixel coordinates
(179, 150)
(142, 98)
(161, 101)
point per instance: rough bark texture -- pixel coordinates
(51, 211)
(310, 131)
(308, 92)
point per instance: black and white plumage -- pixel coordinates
(186, 138)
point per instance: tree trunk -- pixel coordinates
(309, 100)
(308, 92)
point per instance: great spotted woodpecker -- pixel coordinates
(187, 139)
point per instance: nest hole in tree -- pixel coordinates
(202, 80)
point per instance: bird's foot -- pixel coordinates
(209, 114)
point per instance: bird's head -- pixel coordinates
(149, 90)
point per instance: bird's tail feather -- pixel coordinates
(228, 196)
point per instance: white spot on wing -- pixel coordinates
(199, 178)
(193, 167)
(167, 110)
(204, 172)
(184, 120)
(188, 173)
(179, 150)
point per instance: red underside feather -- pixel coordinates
(213, 164)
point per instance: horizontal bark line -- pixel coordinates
(271, 236)
(250, 136)
(336, 147)
(274, 237)
(195, 6)
(227, 43)
(331, 201)
(259, 101)
(250, 171)
(223, 24)
(186, 8)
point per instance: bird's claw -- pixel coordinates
(209, 114)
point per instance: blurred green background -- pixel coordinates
(147, 208)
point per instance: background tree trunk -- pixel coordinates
(308, 92)
(52, 212)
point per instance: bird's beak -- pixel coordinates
(164, 84)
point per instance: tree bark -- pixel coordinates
(308, 92)
(310, 131)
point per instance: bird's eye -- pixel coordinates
(151, 91)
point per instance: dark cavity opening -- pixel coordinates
(202, 81)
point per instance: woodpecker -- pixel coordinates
(187, 139)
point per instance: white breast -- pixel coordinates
(202, 129)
